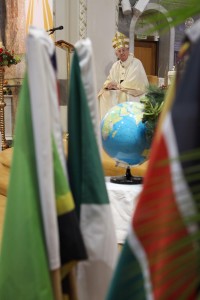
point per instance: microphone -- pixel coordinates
(54, 29)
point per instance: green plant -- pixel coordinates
(177, 13)
(153, 103)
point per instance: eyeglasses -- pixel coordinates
(122, 50)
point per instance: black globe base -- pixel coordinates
(127, 178)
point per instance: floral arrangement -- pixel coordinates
(7, 58)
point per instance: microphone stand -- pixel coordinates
(52, 30)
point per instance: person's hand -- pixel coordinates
(112, 86)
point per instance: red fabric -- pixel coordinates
(160, 228)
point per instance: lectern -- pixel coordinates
(69, 48)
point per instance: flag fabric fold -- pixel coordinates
(160, 256)
(41, 231)
(88, 76)
(87, 181)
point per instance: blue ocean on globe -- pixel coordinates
(123, 133)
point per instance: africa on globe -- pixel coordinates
(123, 133)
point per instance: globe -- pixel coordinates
(123, 133)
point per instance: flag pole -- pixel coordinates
(56, 284)
(72, 284)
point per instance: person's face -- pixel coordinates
(122, 53)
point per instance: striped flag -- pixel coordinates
(87, 181)
(41, 230)
(160, 259)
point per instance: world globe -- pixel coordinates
(123, 133)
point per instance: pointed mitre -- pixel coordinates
(120, 40)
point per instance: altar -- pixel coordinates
(123, 200)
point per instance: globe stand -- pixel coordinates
(128, 178)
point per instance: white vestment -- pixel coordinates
(132, 80)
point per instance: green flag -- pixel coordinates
(88, 183)
(24, 271)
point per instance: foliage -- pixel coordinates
(178, 12)
(7, 58)
(153, 103)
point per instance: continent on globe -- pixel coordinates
(123, 133)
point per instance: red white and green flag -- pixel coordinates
(160, 259)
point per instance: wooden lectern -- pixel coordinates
(69, 48)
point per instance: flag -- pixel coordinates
(160, 259)
(88, 184)
(24, 270)
(41, 230)
(52, 171)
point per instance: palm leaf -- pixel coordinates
(178, 12)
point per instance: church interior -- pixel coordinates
(148, 206)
